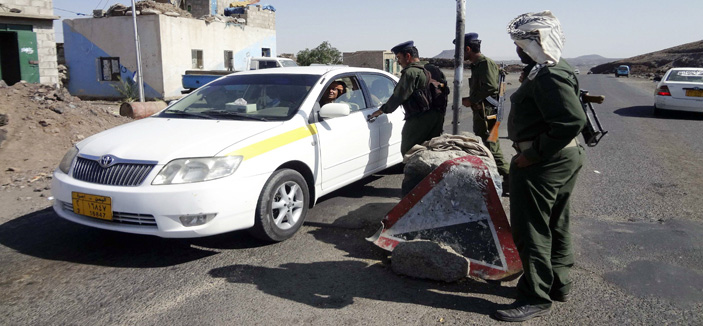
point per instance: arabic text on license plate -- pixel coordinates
(694, 92)
(92, 206)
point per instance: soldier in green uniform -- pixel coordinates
(484, 83)
(544, 121)
(421, 124)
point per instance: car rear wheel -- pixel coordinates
(657, 111)
(282, 207)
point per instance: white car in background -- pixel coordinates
(681, 89)
(252, 150)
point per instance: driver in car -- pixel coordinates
(334, 91)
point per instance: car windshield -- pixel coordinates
(287, 63)
(694, 76)
(264, 97)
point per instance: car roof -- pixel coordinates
(311, 70)
(685, 68)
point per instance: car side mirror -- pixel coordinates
(334, 110)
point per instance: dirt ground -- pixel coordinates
(38, 124)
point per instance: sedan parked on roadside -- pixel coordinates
(252, 150)
(681, 89)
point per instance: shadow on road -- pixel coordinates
(45, 235)
(646, 111)
(336, 284)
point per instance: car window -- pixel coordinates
(262, 96)
(352, 95)
(288, 63)
(695, 76)
(380, 88)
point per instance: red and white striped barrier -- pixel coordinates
(457, 205)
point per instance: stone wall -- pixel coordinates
(257, 17)
(31, 7)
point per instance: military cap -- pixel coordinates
(468, 37)
(402, 46)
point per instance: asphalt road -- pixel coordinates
(637, 226)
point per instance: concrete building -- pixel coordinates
(101, 51)
(383, 60)
(27, 43)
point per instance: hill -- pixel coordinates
(686, 55)
(583, 62)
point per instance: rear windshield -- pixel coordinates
(264, 97)
(694, 76)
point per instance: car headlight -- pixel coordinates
(67, 159)
(189, 170)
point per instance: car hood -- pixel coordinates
(163, 139)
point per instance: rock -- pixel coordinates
(3, 119)
(422, 164)
(11, 169)
(428, 260)
(172, 14)
(3, 84)
(45, 123)
(150, 11)
(57, 110)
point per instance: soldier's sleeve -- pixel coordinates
(488, 78)
(561, 109)
(401, 92)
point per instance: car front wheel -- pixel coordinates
(282, 206)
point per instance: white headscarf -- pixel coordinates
(539, 35)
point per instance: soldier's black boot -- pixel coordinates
(521, 313)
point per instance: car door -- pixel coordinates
(379, 88)
(348, 143)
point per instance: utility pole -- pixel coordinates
(140, 77)
(458, 62)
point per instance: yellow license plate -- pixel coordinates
(92, 205)
(694, 92)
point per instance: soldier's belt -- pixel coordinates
(524, 145)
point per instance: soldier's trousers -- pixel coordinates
(539, 217)
(420, 128)
(482, 128)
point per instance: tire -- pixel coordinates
(282, 206)
(657, 112)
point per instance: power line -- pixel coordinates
(73, 12)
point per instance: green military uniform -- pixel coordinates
(419, 126)
(545, 119)
(484, 82)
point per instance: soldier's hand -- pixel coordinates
(522, 161)
(376, 114)
(466, 102)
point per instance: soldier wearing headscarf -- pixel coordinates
(544, 121)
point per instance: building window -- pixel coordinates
(190, 8)
(197, 56)
(265, 52)
(109, 68)
(229, 60)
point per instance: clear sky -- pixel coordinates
(610, 28)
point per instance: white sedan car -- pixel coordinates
(252, 150)
(681, 89)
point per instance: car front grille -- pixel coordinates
(121, 174)
(145, 220)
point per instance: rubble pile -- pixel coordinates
(39, 123)
(148, 8)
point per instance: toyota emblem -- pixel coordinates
(106, 161)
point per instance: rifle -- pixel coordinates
(593, 131)
(493, 135)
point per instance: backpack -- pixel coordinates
(435, 96)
